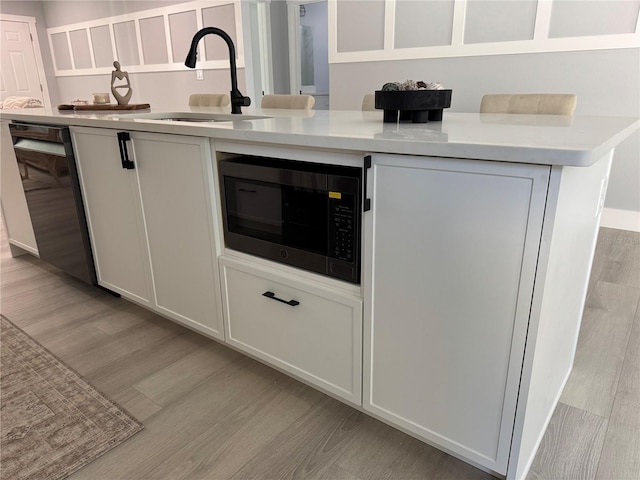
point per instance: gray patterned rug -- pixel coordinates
(52, 421)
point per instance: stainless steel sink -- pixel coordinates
(191, 117)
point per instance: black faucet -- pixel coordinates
(237, 99)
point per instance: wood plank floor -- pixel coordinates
(212, 413)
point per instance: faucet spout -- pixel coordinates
(237, 99)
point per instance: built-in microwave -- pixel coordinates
(299, 213)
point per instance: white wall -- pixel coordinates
(35, 10)
(65, 12)
(159, 89)
(606, 81)
(155, 88)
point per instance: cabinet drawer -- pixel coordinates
(318, 339)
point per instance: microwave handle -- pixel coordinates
(367, 201)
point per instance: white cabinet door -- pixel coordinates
(14, 204)
(450, 257)
(114, 218)
(316, 335)
(175, 178)
(152, 226)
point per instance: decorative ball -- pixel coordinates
(408, 85)
(435, 86)
(391, 87)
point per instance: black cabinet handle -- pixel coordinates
(124, 137)
(367, 201)
(272, 296)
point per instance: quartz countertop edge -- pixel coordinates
(535, 139)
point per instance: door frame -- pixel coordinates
(31, 23)
(256, 34)
(293, 22)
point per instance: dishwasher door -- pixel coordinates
(50, 182)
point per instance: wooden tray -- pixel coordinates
(110, 106)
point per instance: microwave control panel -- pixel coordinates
(342, 228)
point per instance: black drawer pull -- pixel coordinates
(124, 137)
(272, 296)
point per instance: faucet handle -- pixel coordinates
(238, 100)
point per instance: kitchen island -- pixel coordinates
(538, 139)
(476, 254)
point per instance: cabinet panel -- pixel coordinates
(319, 339)
(152, 226)
(14, 204)
(451, 254)
(112, 205)
(175, 177)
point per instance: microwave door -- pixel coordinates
(254, 209)
(304, 219)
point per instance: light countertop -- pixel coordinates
(538, 139)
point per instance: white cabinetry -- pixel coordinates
(449, 270)
(312, 332)
(152, 227)
(114, 218)
(14, 204)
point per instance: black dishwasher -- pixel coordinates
(50, 181)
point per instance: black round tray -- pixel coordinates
(416, 106)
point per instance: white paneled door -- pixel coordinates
(19, 75)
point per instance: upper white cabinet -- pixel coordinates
(449, 268)
(152, 225)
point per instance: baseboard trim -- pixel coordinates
(22, 249)
(620, 219)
